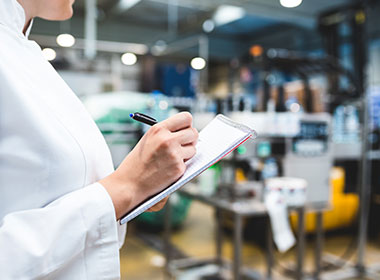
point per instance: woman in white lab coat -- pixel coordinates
(60, 196)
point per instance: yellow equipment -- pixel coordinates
(343, 207)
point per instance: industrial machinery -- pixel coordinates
(311, 151)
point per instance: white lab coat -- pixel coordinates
(56, 222)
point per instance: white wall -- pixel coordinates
(106, 74)
(85, 83)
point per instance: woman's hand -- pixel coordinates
(157, 161)
(158, 206)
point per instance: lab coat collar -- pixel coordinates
(12, 15)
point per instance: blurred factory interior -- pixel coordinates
(305, 75)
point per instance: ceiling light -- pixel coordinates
(198, 63)
(49, 54)
(290, 3)
(295, 107)
(163, 105)
(208, 25)
(129, 58)
(225, 14)
(65, 40)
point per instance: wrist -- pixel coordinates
(121, 192)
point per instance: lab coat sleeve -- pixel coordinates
(63, 239)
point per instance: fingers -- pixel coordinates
(188, 151)
(187, 136)
(179, 121)
(158, 206)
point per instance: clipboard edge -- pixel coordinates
(243, 127)
(252, 135)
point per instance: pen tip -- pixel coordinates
(131, 115)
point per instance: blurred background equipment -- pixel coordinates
(304, 74)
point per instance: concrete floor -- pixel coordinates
(141, 262)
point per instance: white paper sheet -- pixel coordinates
(278, 213)
(216, 140)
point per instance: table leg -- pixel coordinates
(301, 243)
(219, 238)
(238, 238)
(167, 235)
(319, 244)
(270, 250)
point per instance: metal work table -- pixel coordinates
(239, 209)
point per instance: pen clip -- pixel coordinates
(146, 116)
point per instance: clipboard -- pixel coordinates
(220, 137)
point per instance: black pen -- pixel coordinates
(143, 118)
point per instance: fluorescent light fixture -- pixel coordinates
(65, 40)
(49, 54)
(129, 58)
(198, 63)
(124, 5)
(159, 47)
(290, 3)
(101, 46)
(225, 14)
(115, 47)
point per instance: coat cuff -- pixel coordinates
(103, 233)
